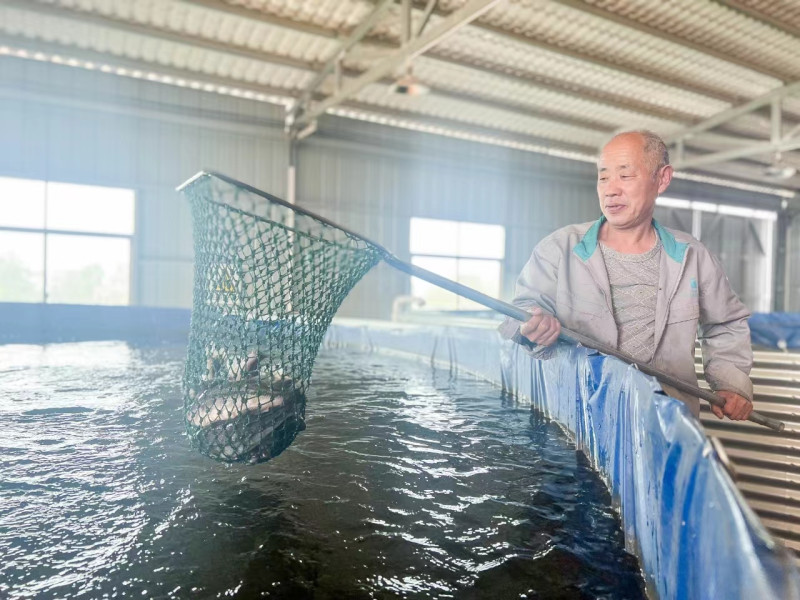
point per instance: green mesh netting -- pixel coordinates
(268, 280)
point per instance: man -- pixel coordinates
(627, 281)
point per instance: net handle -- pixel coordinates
(504, 308)
(519, 314)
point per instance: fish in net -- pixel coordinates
(268, 279)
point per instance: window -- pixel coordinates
(469, 253)
(65, 243)
(742, 238)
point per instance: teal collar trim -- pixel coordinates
(675, 250)
(588, 244)
(585, 248)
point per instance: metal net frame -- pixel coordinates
(268, 279)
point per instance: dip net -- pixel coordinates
(268, 279)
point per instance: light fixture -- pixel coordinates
(779, 170)
(409, 85)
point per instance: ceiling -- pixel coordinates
(716, 78)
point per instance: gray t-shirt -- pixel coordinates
(634, 287)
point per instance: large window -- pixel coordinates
(65, 243)
(741, 237)
(469, 253)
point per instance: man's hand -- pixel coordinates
(737, 408)
(542, 328)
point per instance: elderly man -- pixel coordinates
(627, 281)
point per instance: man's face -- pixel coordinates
(626, 186)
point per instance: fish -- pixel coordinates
(233, 422)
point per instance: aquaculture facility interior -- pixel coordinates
(372, 299)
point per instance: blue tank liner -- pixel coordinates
(776, 330)
(695, 536)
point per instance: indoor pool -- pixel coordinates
(406, 483)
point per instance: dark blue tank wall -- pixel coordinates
(682, 515)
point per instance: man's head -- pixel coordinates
(632, 170)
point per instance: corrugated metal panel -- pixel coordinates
(715, 25)
(197, 21)
(471, 113)
(566, 27)
(135, 46)
(499, 88)
(784, 11)
(335, 14)
(767, 463)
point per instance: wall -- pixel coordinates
(68, 124)
(793, 266)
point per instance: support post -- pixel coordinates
(781, 259)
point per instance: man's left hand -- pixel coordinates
(737, 408)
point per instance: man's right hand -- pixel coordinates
(542, 328)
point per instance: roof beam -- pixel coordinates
(737, 111)
(569, 89)
(356, 36)
(459, 18)
(607, 15)
(749, 150)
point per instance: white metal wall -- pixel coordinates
(373, 185)
(68, 124)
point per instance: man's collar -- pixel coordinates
(585, 248)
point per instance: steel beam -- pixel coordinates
(356, 36)
(461, 17)
(737, 111)
(751, 150)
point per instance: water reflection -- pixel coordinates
(405, 484)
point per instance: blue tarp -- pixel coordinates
(776, 330)
(682, 515)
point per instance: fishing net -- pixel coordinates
(268, 280)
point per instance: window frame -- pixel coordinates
(45, 232)
(457, 258)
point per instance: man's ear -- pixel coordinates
(665, 178)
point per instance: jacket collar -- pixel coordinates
(585, 248)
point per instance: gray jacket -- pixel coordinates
(566, 276)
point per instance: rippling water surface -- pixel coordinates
(405, 484)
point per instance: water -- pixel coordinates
(405, 484)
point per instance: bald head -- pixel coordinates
(653, 148)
